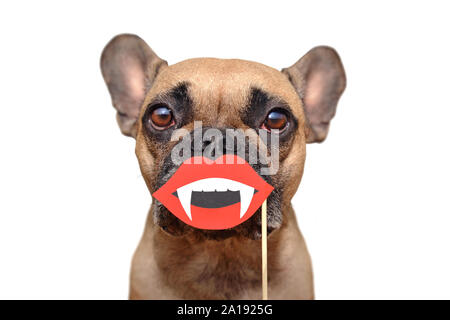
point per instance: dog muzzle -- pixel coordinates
(214, 194)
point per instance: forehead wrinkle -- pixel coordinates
(218, 103)
(178, 92)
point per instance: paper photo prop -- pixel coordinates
(214, 194)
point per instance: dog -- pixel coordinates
(174, 260)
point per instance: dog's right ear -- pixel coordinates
(129, 67)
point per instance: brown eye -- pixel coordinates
(275, 120)
(161, 118)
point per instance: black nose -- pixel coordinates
(217, 139)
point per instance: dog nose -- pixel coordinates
(216, 139)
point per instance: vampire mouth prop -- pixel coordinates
(214, 194)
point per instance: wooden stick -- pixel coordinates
(264, 248)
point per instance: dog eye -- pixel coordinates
(276, 119)
(161, 118)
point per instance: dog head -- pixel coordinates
(153, 100)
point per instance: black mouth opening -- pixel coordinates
(214, 199)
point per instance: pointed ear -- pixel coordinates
(319, 79)
(129, 67)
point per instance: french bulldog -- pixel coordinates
(153, 99)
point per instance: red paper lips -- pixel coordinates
(214, 195)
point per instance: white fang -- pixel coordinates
(215, 184)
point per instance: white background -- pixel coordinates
(374, 201)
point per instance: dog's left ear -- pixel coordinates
(319, 80)
(129, 67)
